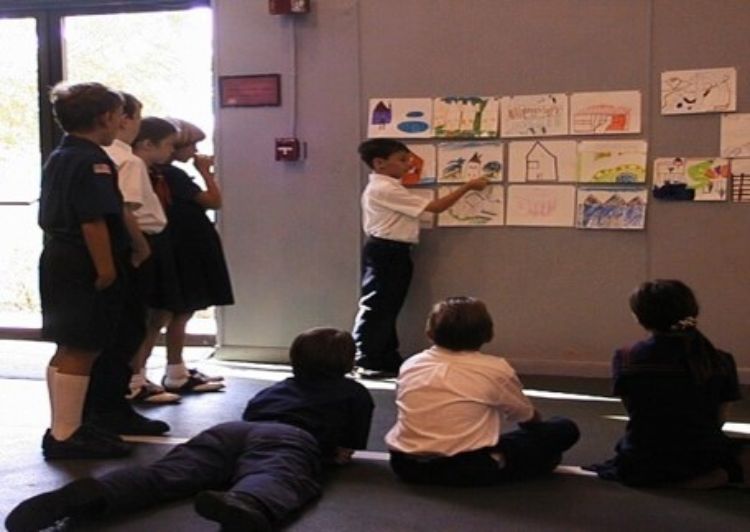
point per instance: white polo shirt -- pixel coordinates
(451, 402)
(135, 185)
(390, 211)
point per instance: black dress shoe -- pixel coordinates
(86, 442)
(235, 511)
(80, 498)
(130, 423)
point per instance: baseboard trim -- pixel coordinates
(266, 355)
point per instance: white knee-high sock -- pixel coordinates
(51, 374)
(68, 398)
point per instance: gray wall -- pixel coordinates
(558, 295)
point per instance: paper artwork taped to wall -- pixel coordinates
(459, 162)
(541, 205)
(534, 115)
(466, 117)
(400, 118)
(735, 135)
(475, 208)
(426, 219)
(690, 178)
(605, 113)
(422, 169)
(612, 161)
(542, 161)
(740, 169)
(711, 90)
(611, 208)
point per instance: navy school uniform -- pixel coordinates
(674, 429)
(79, 185)
(202, 273)
(276, 455)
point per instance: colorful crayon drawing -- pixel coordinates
(690, 178)
(541, 205)
(611, 208)
(605, 113)
(459, 162)
(475, 208)
(542, 160)
(735, 135)
(466, 117)
(710, 90)
(422, 170)
(741, 180)
(400, 118)
(612, 161)
(534, 115)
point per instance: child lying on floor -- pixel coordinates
(676, 387)
(452, 402)
(248, 475)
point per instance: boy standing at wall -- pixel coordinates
(390, 219)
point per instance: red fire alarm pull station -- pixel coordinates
(288, 149)
(288, 7)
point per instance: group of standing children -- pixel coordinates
(118, 265)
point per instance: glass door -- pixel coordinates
(20, 168)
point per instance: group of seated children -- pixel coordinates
(453, 402)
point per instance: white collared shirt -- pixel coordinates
(390, 211)
(135, 185)
(451, 402)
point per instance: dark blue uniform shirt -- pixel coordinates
(79, 185)
(337, 411)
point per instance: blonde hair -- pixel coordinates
(187, 133)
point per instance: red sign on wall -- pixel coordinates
(250, 91)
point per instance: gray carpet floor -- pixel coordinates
(365, 496)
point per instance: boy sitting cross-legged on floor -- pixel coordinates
(452, 401)
(247, 475)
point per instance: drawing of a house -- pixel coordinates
(600, 118)
(541, 164)
(382, 115)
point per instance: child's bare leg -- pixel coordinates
(157, 320)
(176, 337)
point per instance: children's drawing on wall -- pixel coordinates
(534, 115)
(542, 160)
(735, 135)
(709, 90)
(459, 162)
(426, 219)
(740, 169)
(605, 113)
(541, 205)
(690, 178)
(466, 117)
(423, 169)
(611, 208)
(475, 208)
(612, 161)
(400, 118)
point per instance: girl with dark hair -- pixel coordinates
(676, 387)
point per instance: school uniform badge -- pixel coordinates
(102, 168)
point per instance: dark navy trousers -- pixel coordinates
(386, 274)
(277, 464)
(532, 450)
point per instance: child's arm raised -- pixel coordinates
(96, 236)
(211, 197)
(446, 202)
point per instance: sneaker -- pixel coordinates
(235, 511)
(86, 442)
(200, 375)
(130, 423)
(374, 374)
(80, 498)
(192, 384)
(152, 393)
